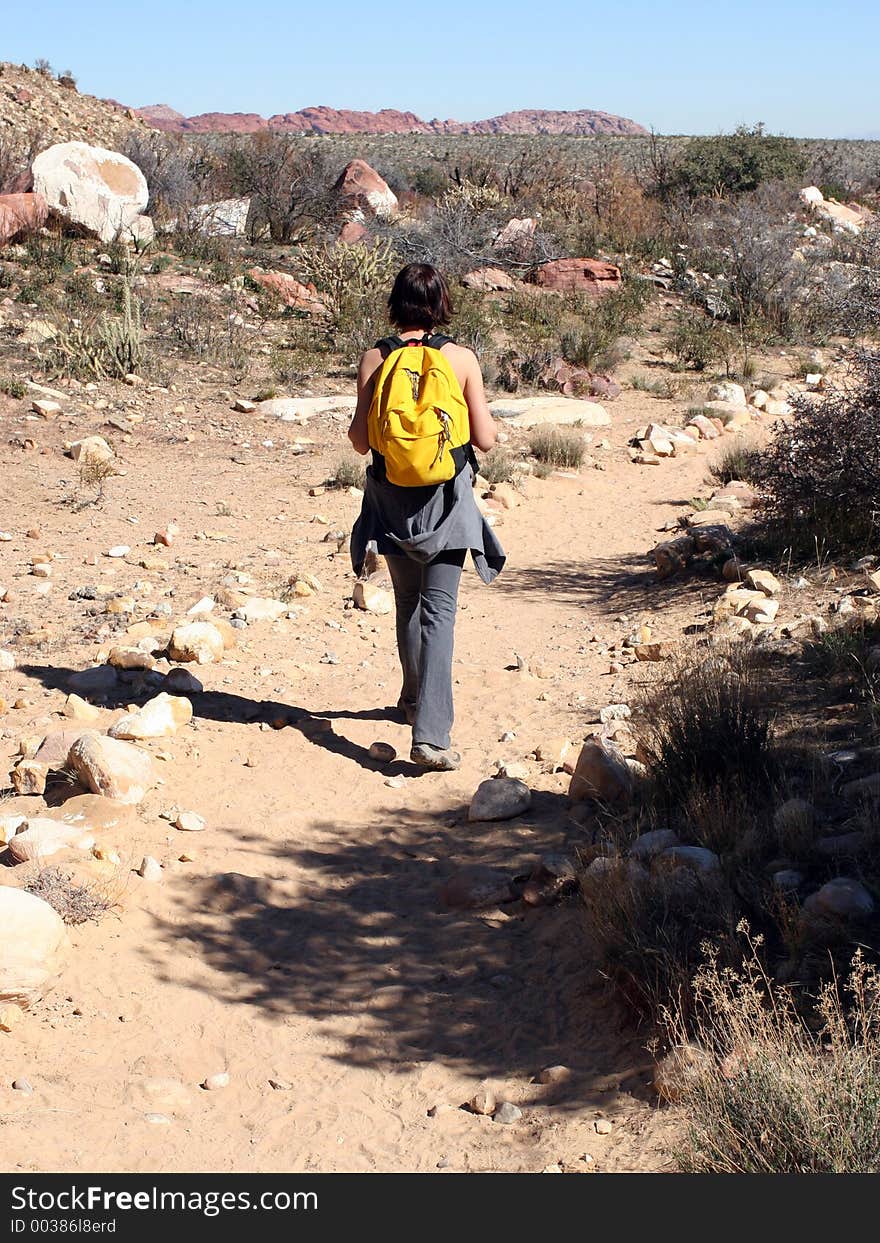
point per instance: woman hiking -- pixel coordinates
(421, 408)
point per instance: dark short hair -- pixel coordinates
(419, 298)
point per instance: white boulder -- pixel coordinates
(33, 947)
(100, 190)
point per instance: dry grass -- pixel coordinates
(558, 447)
(781, 1091)
(75, 903)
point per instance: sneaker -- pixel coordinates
(441, 758)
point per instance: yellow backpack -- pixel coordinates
(418, 424)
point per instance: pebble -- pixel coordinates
(22, 1085)
(158, 1119)
(281, 1085)
(395, 783)
(214, 1082)
(189, 822)
(383, 751)
(483, 1102)
(119, 550)
(150, 869)
(507, 1113)
(603, 1126)
(555, 1074)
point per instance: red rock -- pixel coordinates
(577, 275)
(352, 232)
(21, 213)
(288, 290)
(387, 121)
(362, 187)
(488, 279)
(578, 381)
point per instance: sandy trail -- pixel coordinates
(305, 943)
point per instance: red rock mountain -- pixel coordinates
(387, 121)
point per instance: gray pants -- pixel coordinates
(427, 598)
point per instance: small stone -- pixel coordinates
(371, 598)
(395, 783)
(506, 1113)
(9, 1016)
(198, 642)
(698, 858)
(383, 752)
(29, 777)
(653, 843)
(80, 709)
(603, 1126)
(483, 1102)
(215, 1082)
(615, 712)
(841, 898)
(281, 1085)
(189, 822)
(555, 1074)
(150, 869)
(157, 1119)
(119, 550)
(160, 717)
(108, 766)
(763, 581)
(22, 1085)
(500, 799)
(46, 409)
(7, 662)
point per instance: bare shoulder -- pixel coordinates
(370, 363)
(464, 361)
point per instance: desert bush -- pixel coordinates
(348, 472)
(776, 1091)
(737, 461)
(52, 252)
(696, 340)
(599, 323)
(43, 67)
(559, 447)
(355, 281)
(12, 386)
(820, 476)
(108, 347)
(733, 163)
(498, 466)
(646, 931)
(289, 183)
(707, 726)
(67, 79)
(473, 322)
(75, 903)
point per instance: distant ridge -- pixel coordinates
(387, 121)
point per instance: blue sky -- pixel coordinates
(804, 68)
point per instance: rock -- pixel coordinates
(215, 1082)
(29, 777)
(99, 190)
(844, 218)
(555, 1074)
(9, 1017)
(705, 427)
(601, 775)
(553, 752)
(673, 555)
(487, 280)
(763, 581)
(301, 409)
(787, 880)
(33, 947)
(759, 611)
(182, 682)
(863, 788)
(160, 717)
(777, 409)
(507, 1113)
(226, 218)
(7, 662)
(697, 858)
(728, 392)
(112, 768)
(38, 332)
(362, 188)
(150, 869)
(259, 608)
(483, 1103)
(475, 888)
(21, 214)
(373, 599)
(614, 712)
(654, 652)
(46, 409)
(577, 275)
(281, 1085)
(22, 1085)
(189, 822)
(43, 837)
(289, 292)
(200, 642)
(528, 412)
(680, 1071)
(732, 570)
(383, 752)
(654, 842)
(9, 826)
(80, 709)
(603, 1126)
(500, 798)
(91, 451)
(841, 898)
(130, 658)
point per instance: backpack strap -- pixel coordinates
(388, 345)
(434, 341)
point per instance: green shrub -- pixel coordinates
(734, 163)
(737, 461)
(600, 322)
(695, 340)
(12, 386)
(355, 281)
